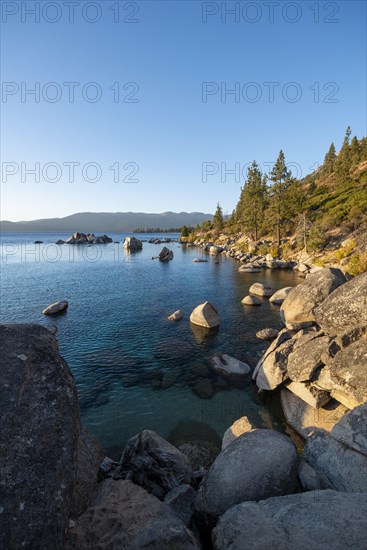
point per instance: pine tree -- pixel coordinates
(184, 231)
(218, 221)
(251, 206)
(329, 161)
(363, 149)
(343, 162)
(355, 152)
(279, 206)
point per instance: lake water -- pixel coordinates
(118, 342)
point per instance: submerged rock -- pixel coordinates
(205, 315)
(203, 388)
(229, 366)
(305, 521)
(267, 333)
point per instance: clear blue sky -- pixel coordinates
(170, 132)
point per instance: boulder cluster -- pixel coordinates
(60, 490)
(86, 238)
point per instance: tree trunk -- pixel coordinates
(278, 232)
(255, 233)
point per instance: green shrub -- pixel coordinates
(316, 240)
(274, 250)
(345, 251)
(242, 247)
(262, 249)
(287, 251)
(358, 263)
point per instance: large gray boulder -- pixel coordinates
(256, 465)
(306, 521)
(304, 418)
(297, 310)
(306, 355)
(205, 315)
(90, 455)
(280, 295)
(153, 463)
(352, 429)
(348, 374)
(39, 435)
(336, 466)
(271, 370)
(123, 515)
(345, 309)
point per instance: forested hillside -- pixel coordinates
(314, 214)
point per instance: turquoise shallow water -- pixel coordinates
(116, 338)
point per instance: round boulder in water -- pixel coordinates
(205, 315)
(259, 289)
(55, 308)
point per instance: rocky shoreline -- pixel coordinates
(60, 490)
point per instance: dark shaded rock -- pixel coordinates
(165, 255)
(38, 442)
(201, 454)
(336, 466)
(257, 465)
(306, 521)
(132, 244)
(90, 455)
(153, 463)
(352, 336)
(123, 515)
(182, 501)
(345, 309)
(297, 309)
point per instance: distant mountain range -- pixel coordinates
(104, 222)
